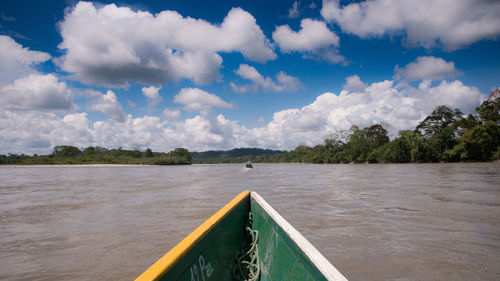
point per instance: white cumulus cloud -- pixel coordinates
(452, 24)
(110, 45)
(354, 84)
(152, 95)
(171, 113)
(38, 132)
(285, 82)
(16, 61)
(108, 104)
(314, 39)
(37, 92)
(426, 68)
(454, 94)
(380, 102)
(142, 132)
(196, 99)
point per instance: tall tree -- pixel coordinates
(441, 117)
(181, 153)
(148, 153)
(376, 135)
(362, 142)
(439, 130)
(490, 108)
(66, 151)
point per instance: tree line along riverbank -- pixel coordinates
(70, 155)
(446, 135)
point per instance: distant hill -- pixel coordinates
(234, 153)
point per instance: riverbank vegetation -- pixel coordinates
(69, 155)
(237, 155)
(446, 135)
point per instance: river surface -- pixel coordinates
(373, 222)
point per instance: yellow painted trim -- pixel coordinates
(163, 265)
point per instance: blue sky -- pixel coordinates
(270, 74)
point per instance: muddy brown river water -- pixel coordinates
(373, 222)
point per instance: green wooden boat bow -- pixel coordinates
(245, 240)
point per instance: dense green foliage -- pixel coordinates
(490, 109)
(66, 154)
(237, 155)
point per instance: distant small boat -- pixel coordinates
(245, 240)
(249, 165)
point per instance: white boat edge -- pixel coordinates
(324, 266)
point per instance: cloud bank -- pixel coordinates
(426, 68)
(452, 24)
(380, 102)
(112, 45)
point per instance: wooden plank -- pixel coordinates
(323, 265)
